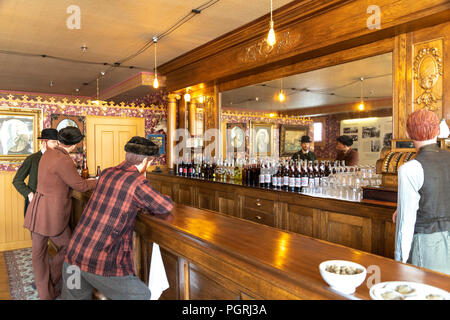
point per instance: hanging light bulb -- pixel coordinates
(271, 39)
(201, 99)
(361, 106)
(155, 82)
(187, 97)
(281, 95)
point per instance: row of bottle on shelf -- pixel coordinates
(288, 175)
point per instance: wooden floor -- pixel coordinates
(4, 287)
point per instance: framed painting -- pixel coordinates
(158, 139)
(290, 139)
(19, 130)
(61, 121)
(236, 138)
(261, 135)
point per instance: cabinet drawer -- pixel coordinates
(259, 204)
(259, 217)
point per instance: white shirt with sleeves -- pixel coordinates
(410, 180)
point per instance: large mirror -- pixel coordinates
(352, 99)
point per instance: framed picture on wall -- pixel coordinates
(158, 139)
(236, 139)
(19, 130)
(61, 121)
(261, 135)
(290, 137)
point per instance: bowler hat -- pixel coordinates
(49, 134)
(142, 146)
(305, 139)
(345, 140)
(70, 136)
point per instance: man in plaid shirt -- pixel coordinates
(102, 243)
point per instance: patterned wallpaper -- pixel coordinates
(152, 107)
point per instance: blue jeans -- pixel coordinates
(431, 251)
(115, 288)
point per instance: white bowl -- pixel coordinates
(346, 284)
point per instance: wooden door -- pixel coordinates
(106, 138)
(12, 233)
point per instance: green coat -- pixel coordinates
(310, 156)
(29, 168)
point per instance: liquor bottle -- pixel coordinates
(79, 169)
(316, 174)
(185, 169)
(274, 178)
(85, 171)
(298, 179)
(98, 172)
(286, 178)
(291, 179)
(304, 175)
(268, 175)
(310, 174)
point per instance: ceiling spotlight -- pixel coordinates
(51, 83)
(77, 90)
(83, 48)
(257, 99)
(102, 73)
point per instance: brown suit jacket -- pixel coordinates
(49, 212)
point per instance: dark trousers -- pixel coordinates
(47, 273)
(115, 288)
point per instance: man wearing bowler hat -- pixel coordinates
(29, 168)
(305, 153)
(48, 214)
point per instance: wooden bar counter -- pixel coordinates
(365, 225)
(208, 255)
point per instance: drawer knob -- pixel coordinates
(258, 202)
(258, 217)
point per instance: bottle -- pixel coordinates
(85, 171)
(286, 178)
(278, 178)
(304, 183)
(185, 169)
(79, 168)
(291, 179)
(98, 172)
(298, 179)
(268, 176)
(316, 174)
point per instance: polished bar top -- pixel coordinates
(240, 184)
(291, 257)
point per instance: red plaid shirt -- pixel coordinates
(102, 242)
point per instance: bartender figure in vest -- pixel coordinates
(423, 210)
(305, 153)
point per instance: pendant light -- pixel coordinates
(281, 95)
(187, 96)
(271, 39)
(98, 101)
(155, 82)
(361, 106)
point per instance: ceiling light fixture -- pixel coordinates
(281, 95)
(201, 99)
(361, 106)
(155, 82)
(98, 101)
(271, 39)
(187, 96)
(83, 48)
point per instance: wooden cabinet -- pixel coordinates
(361, 226)
(303, 220)
(348, 230)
